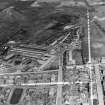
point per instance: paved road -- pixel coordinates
(59, 89)
(99, 86)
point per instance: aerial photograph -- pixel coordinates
(52, 52)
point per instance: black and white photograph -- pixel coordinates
(52, 52)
